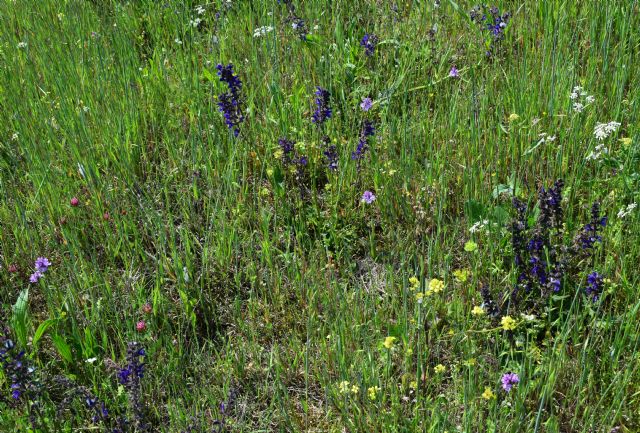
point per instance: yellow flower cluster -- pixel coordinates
(373, 392)
(388, 342)
(461, 275)
(414, 283)
(508, 323)
(477, 311)
(488, 394)
(345, 387)
(436, 285)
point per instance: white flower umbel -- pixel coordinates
(478, 226)
(625, 211)
(604, 130)
(597, 153)
(262, 31)
(581, 99)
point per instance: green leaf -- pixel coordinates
(502, 189)
(42, 328)
(208, 75)
(63, 348)
(475, 210)
(20, 314)
(501, 215)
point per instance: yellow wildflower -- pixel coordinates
(415, 282)
(508, 324)
(461, 275)
(373, 392)
(269, 172)
(413, 384)
(470, 246)
(470, 362)
(354, 389)
(278, 154)
(388, 342)
(344, 387)
(436, 285)
(419, 297)
(513, 117)
(440, 368)
(477, 311)
(626, 141)
(488, 394)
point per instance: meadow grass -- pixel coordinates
(272, 288)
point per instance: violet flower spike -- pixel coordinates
(509, 380)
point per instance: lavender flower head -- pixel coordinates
(368, 197)
(323, 109)
(42, 264)
(509, 380)
(287, 147)
(299, 26)
(35, 277)
(369, 42)
(330, 153)
(368, 130)
(230, 102)
(227, 76)
(454, 73)
(594, 286)
(589, 235)
(130, 377)
(366, 104)
(18, 371)
(494, 23)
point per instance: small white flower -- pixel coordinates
(597, 152)
(603, 130)
(262, 31)
(91, 360)
(573, 96)
(578, 107)
(611, 127)
(177, 41)
(545, 138)
(590, 99)
(14, 137)
(625, 211)
(22, 45)
(478, 226)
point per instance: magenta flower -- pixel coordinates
(366, 104)
(75, 202)
(141, 326)
(368, 197)
(509, 380)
